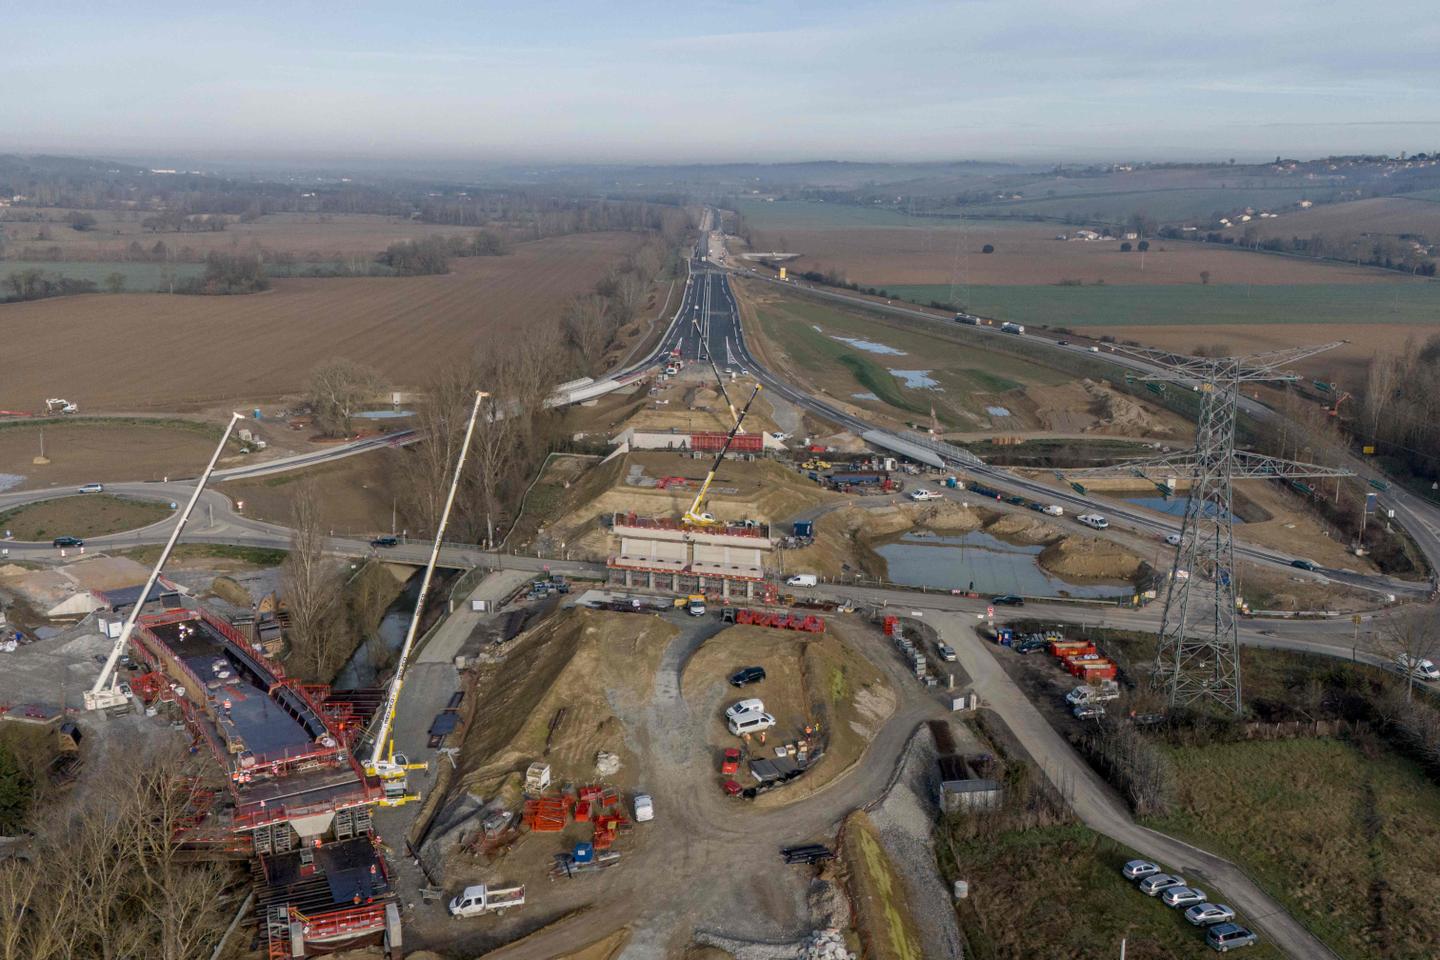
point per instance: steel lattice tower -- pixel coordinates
(1197, 659)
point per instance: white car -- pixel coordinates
(93, 488)
(1204, 914)
(1182, 897)
(1158, 883)
(1094, 521)
(922, 495)
(741, 707)
(1420, 669)
(1139, 869)
(1173, 539)
(644, 808)
(1085, 693)
(1053, 510)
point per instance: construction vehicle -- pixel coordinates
(817, 465)
(695, 516)
(384, 762)
(59, 405)
(1334, 409)
(481, 899)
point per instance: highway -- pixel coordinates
(718, 315)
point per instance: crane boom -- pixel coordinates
(392, 697)
(724, 393)
(693, 515)
(98, 697)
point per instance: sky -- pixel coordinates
(721, 80)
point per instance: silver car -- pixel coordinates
(1158, 883)
(1139, 869)
(1204, 914)
(1182, 897)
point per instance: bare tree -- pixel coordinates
(337, 390)
(1410, 635)
(1381, 381)
(441, 420)
(311, 585)
(589, 326)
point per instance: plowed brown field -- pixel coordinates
(158, 351)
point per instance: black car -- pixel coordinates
(746, 676)
(1302, 564)
(385, 542)
(1008, 600)
(68, 542)
(1015, 501)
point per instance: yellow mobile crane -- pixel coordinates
(694, 515)
(383, 761)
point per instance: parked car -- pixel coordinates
(1224, 937)
(1088, 711)
(730, 760)
(1008, 600)
(1103, 692)
(802, 580)
(746, 676)
(1173, 539)
(1419, 668)
(741, 707)
(644, 808)
(68, 542)
(1033, 645)
(922, 495)
(947, 652)
(1139, 869)
(1182, 897)
(750, 723)
(385, 542)
(93, 488)
(1303, 564)
(1205, 914)
(1158, 883)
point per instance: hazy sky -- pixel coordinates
(721, 79)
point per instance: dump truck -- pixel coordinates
(481, 899)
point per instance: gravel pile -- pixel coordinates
(827, 944)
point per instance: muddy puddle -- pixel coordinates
(983, 563)
(1175, 506)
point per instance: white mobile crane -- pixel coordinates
(106, 693)
(383, 762)
(695, 516)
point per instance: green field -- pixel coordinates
(139, 277)
(964, 375)
(1348, 839)
(1194, 204)
(1057, 892)
(87, 515)
(1115, 305)
(812, 215)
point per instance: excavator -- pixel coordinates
(695, 516)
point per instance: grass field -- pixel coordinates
(250, 556)
(1057, 893)
(148, 351)
(1030, 254)
(964, 376)
(1390, 216)
(90, 515)
(359, 493)
(87, 451)
(1405, 302)
(139, 277)
(326, 236)
(1348, 842)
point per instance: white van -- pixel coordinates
(1093, 520)
(750, 723)
(741, 707)
(1053, 510)
(802, 580)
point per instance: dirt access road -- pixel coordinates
(722, 853)
(1102, 810)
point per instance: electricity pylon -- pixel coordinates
(1197, 658)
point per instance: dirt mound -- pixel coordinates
(555, 695)
(817, 679)
(1024, 528)
(1090, 558)
(1122, 415)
